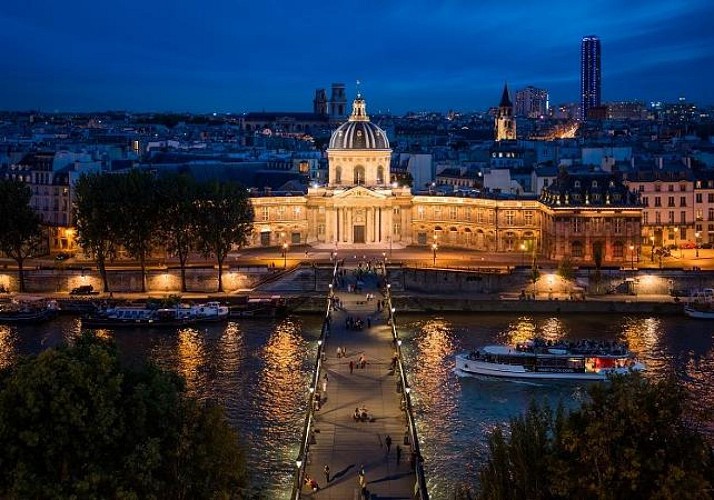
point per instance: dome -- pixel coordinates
(358, 132)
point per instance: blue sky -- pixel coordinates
(235, 55)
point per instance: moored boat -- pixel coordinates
(538, 359)
(699, 311)
(28, 312)
(180, 316)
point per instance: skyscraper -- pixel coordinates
(531, 102)
(589, 74)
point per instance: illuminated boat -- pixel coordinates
(538, 359)
(180, 316)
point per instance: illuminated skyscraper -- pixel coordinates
(589, 74)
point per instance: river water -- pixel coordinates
(259, 372)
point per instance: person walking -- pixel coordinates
(362, 480)
(399, 454)
(352, 366)
(388, 442)
(327, 473)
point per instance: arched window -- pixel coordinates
(359, 175)
(380, 174)
(338, 175)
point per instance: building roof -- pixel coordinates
(358, 132)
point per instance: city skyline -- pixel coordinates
(409, 56)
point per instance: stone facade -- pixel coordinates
(359, 207)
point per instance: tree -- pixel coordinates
(139, 216)
(224, 218)
(178, 196)
(96, 212)
(566, 271)
(75, 424)
(20, 232)
(630, 439)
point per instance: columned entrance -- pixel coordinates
(358, 234)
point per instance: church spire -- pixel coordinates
(505, 98)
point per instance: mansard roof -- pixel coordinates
(591, 189)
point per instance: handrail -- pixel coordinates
(405, 388)
(301, 460)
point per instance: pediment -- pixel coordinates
(360, 193)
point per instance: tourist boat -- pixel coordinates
(180, 316)
(259, 307)
(538, 359)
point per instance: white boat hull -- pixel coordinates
(491, 369)
(698, 313)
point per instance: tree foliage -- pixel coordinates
(75, 424)
(629, 440)
(177, 201)
(20, 231)
(96, 215)
(224, 219)
(139, 216)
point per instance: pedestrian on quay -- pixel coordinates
(399, 454)
(327, 473)
(352, 366)
(369, 322)
(388, 442)
(324, 384)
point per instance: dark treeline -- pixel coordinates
(141, 212)
(632, 438)
(76, 423)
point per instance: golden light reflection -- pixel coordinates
(435, 388)
(282, 384)
(8, 350)
(191, 357)
(519, 331)
(641, 334)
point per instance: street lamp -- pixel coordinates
(285, 255)
(523, 253)
(652, 241)
(697, 235)
(676, 231)
(434, 248)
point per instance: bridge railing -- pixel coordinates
(301, 460)
(405, 389)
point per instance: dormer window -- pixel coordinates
(576, 184)
(594, 184)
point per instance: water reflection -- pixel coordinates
(455, 415)
(8, 348)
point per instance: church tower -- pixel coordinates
(505, 126)
(338, 102)
(319, 104)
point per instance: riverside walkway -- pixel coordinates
(342, 443)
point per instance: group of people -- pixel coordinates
(361, 415)
(353, 323)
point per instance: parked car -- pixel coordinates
(688, 245)
(62, 256)
(82, 290)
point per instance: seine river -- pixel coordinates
(259, 370)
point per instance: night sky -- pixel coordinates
(235, 55)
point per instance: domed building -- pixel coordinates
(358, 205)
